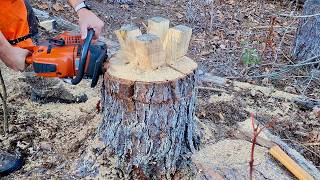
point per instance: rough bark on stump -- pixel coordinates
(149, 105)
(308, 36)
(149, 123)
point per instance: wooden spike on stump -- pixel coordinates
(176, 42)
(125, 36)
(149, 52)
(149, 106)
(158, 26)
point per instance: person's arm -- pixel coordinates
(87, 19)
(13, 57)
(73, 3)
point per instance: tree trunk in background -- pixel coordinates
(149, 101)
(307, 41)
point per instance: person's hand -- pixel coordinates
(88, 19)
(15, 58)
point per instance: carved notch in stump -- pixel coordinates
(149, 100)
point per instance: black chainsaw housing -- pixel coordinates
(98, 55)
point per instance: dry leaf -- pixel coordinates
(43, 6)
(314, 137)
(179, 15)
(125, 6)
(57, 7)
(316, 111)
(232, 2)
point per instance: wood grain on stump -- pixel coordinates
(149, 100)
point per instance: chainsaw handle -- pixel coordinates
(83, 57)
(29, 59)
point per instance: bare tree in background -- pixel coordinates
(307, 41)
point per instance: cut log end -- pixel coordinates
(120, 68)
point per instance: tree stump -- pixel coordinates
(307, 40)
(149, 100)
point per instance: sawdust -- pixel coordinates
(230, 159)
(246, 126)
(50, 136)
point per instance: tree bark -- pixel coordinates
(149, 125)
(149, 104)
(307, 41)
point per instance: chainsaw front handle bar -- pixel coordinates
(83, 57)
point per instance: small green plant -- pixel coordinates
(250, 56)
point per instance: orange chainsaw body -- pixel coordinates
(57, 61)
(67, 56)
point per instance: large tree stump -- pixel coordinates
(149, 100)
(307, 41)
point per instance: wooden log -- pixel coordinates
(148, 119)
(301, 101)
(307, 41)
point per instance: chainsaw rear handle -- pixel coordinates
(83, 57)
(29, 57)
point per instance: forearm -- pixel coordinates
(75, 2)
(13, 57)
(4, 47)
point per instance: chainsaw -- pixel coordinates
(68, 57)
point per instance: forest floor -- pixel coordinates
(53, 136)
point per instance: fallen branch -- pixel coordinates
(210, 89)
(312, 144)
(300, 16)
(3, 96)
(302, 101)
(243, 86)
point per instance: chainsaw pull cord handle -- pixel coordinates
(83, 57)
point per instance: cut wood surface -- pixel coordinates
(158, 26)
(149, 104)
(125, 36)
(149, 52)
(176, 42)
(145, 57)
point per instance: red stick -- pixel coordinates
(256, 132)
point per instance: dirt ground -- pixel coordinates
(53, 136)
